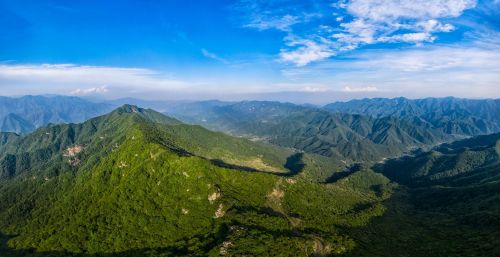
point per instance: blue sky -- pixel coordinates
(313, 51)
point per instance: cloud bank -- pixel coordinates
(83, 80)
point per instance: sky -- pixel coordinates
(289, 50)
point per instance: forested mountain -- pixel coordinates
(24, 114)
(448, 203)
(345, 136)
(14, 123)
(450, 115)
(359, 130)
(464, 163)
(7, 138)
(137, 183)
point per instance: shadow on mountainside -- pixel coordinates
(342, 174)
(428, 220)
(294, 164)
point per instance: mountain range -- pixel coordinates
(350, 137)
(358, 130)
(265, 179)
(24, 114)
(450, 115)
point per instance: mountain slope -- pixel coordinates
(134, 183)
(26, 113)
(14, 123)
(345, 136)
(450, 115)
(7, 138)
(460, 163)
(447, 204)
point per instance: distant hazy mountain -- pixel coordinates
(450, 115)
(347, 136)
(26, 113)
(14, 123)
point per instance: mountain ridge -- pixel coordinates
(315, 130)
(451, 115)
(24, 114)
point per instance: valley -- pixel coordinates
(135, 182)
(250, 128)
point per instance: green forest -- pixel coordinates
(137, 183)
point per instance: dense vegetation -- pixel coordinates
(448, 204)
(461, 163)
(137, 183)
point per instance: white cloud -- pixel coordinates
(280, 23)
(462, 71)
(213, 56)
(305, 51)
(355, 32)
(76, 79)
(387, 11)
(365, 22)
(359, 89)
(434, 26)
(278, 15)
(466, 60)
(90, 91)
(114, 82)
(395, 21)
(315, 89)
(409, 38)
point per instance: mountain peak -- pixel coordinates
(129, 108)
(148, 114)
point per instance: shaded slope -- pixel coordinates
(448, 204)
(465, 162)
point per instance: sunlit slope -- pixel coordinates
(134, 183)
